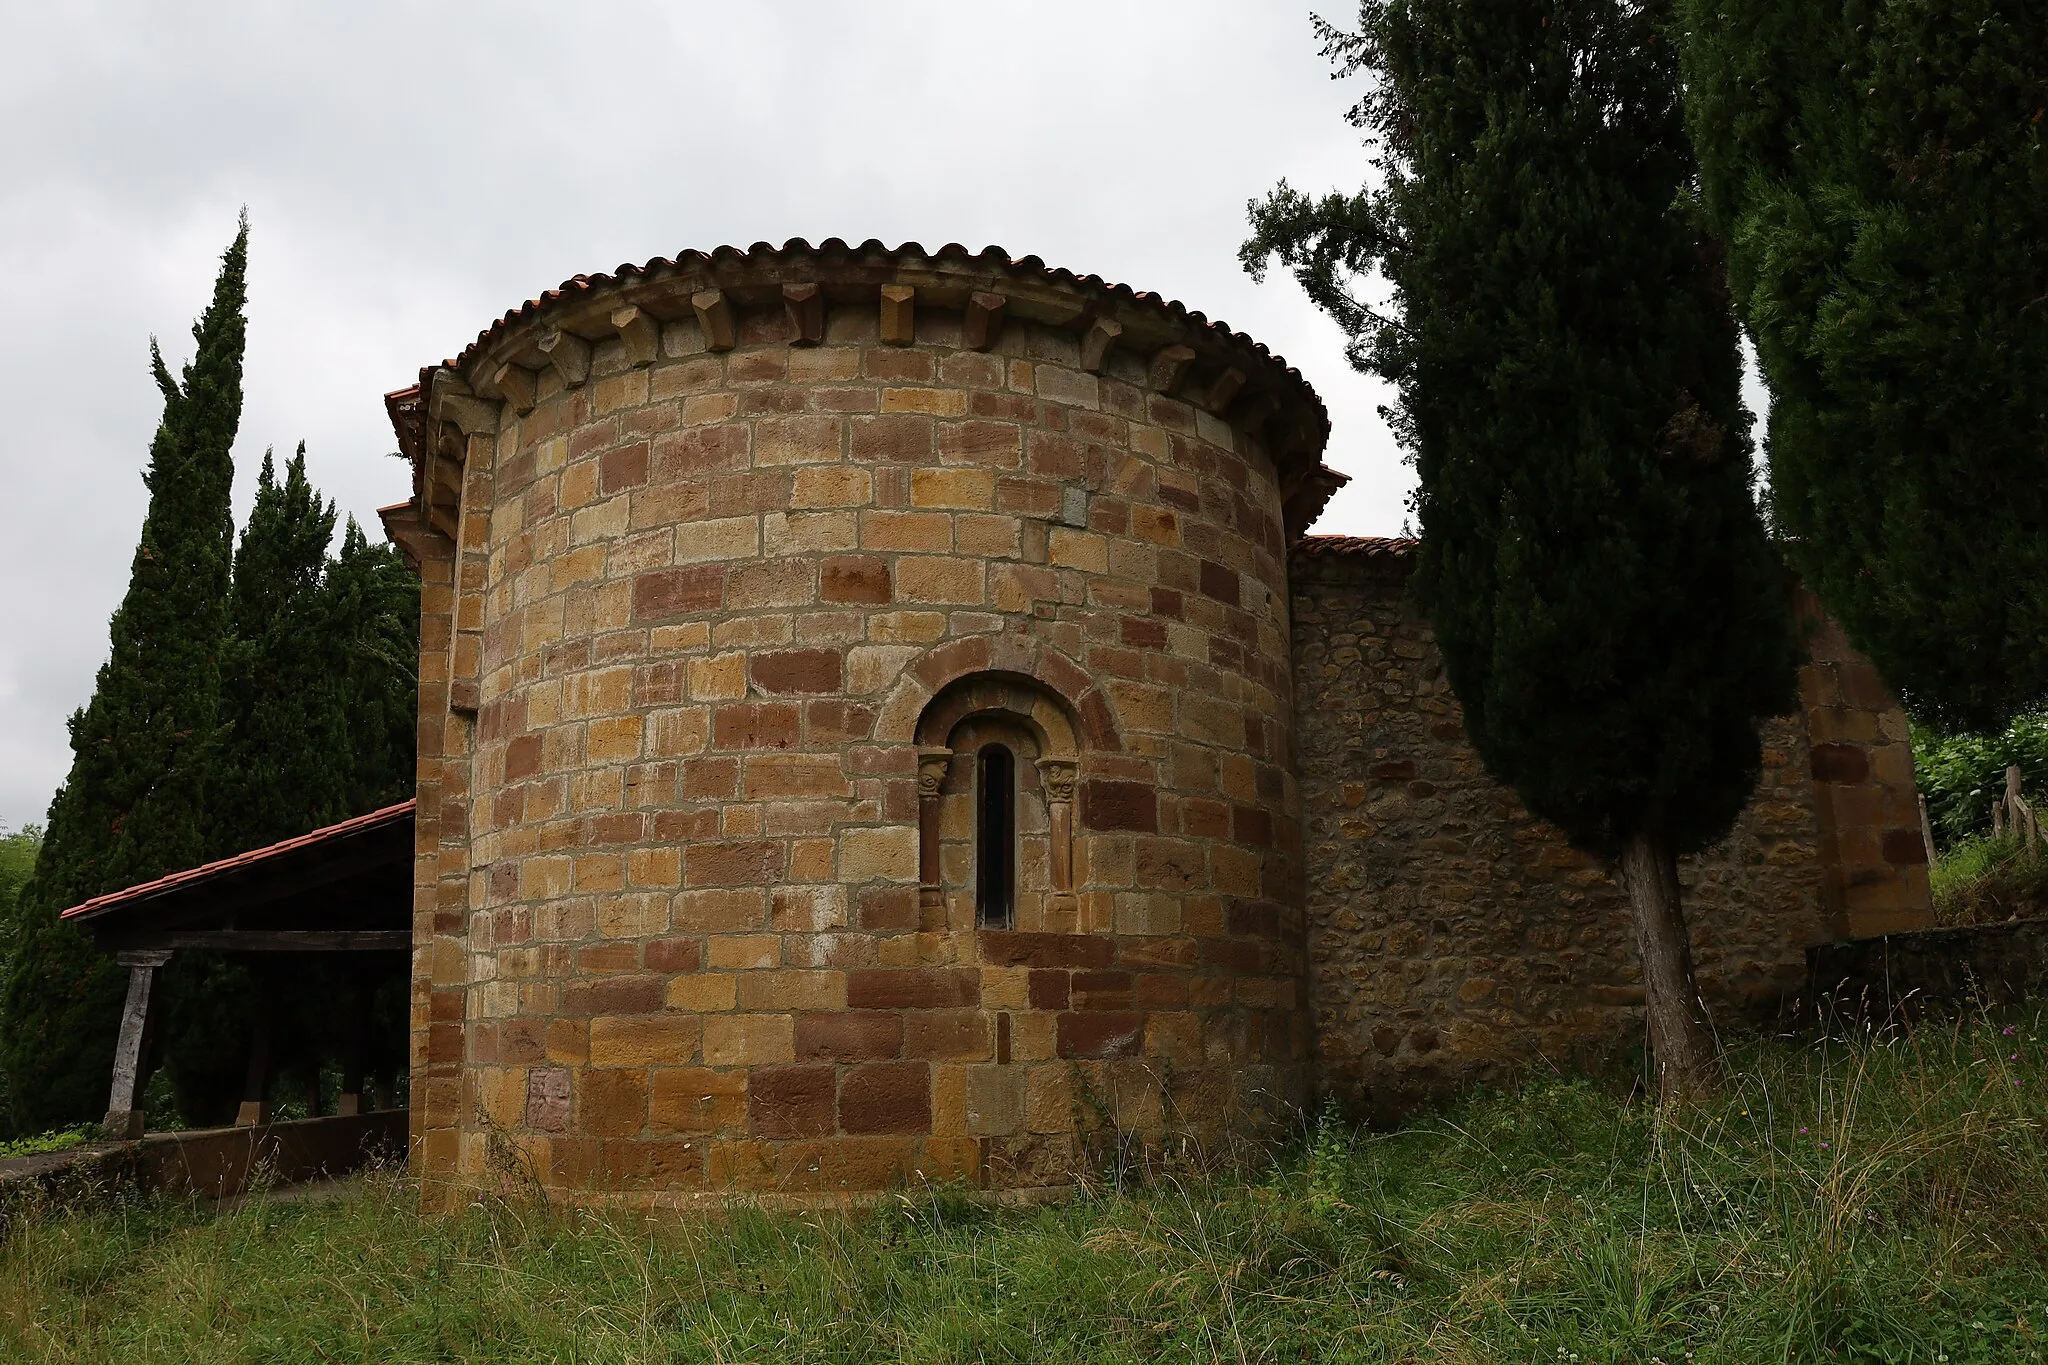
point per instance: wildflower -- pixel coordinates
(2008, 1031)
(1823, 1146)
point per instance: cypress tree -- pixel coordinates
(131, 808)
(284, 761)
(1879, 169)
(1611, 614)
(371, 602)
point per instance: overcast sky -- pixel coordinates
(412, 171)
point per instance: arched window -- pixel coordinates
(995, 835)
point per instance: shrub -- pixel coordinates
(1961, 774)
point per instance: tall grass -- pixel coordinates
(1881, 1197)
(1984, 880)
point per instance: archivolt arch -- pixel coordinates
(1026, 702)
(1006, 656)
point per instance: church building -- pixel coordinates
(882, 720)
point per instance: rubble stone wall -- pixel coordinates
(1453, 937)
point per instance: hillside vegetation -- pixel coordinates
(1879, 1198)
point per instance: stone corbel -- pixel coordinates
(899, 314)
(931, 777)
(1096, 342)
(1223, 390)
(449, 400)
(1057, 776)
(1256, 411)
(714, 316)
(568, 353)
(1168, 366)
(983, 321)
(640, 333)
(804, 305)
(516, 383)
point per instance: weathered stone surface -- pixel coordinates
(1452, 936)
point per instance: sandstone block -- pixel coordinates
(703, 993)
(797, 671)
(823, 486)
(966, 488)
(856, 579)
(643, 1040)
(916, 531)
(1083, 550)
(749, 1039)
(885, 1097)
(797, 440)
(941, 580)
(720, 677)
(790, 1101)
(743, 952)
(875, 668)
(611, 1103)
(849, 1036)
(696, 1100)
(790, 990)
(995, 1100)
(914, 988)
(716, 911)
(884, 854)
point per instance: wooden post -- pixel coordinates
(255, 1108)
(1927, 835)
(351, 1101)
(124, 1112)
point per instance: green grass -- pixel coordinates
(57, 1140)
(1876, 1199)
(1983, 880)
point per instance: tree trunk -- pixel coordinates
(1681, 1039)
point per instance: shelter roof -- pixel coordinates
(356, 875)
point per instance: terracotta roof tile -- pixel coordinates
(952, 252)
(1389, 547)
(376, 818)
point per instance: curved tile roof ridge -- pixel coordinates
(627, 271)
(143, 890)
(1355, 545)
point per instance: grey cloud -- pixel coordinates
(412, 171)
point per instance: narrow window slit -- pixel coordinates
(995, 835)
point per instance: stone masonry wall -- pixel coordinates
(1452, 936)
(671, 935)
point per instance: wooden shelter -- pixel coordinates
(343, 889)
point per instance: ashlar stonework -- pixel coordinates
(735, 566)
(869, 722)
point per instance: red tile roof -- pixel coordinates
(836, 249)
(1389, 547)
(375, 819)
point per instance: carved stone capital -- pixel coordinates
(931, 772)
(1058, 776)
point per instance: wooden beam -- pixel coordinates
(281, 940)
